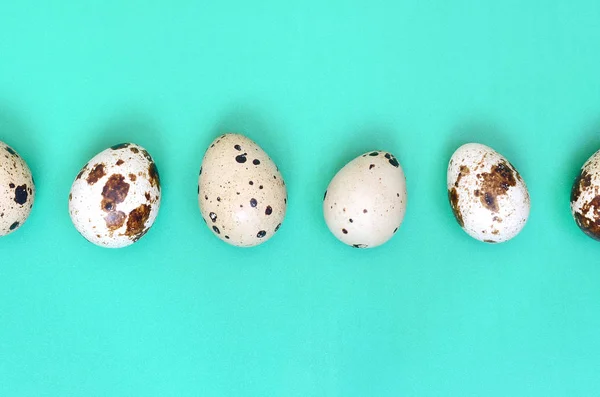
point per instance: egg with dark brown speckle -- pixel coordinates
(487, 195)
(241, 193)
(585, 197)
(17, 190)
(115, 197)
(365, 203)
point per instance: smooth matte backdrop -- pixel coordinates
(315, 83)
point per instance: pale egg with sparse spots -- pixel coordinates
(241, 193)
(115, 197)
(17, 190)
(488, 197)
(365, 202)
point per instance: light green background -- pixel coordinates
(315, 83)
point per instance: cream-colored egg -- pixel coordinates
(585, 197)
(488, 196)
(365, 203)
(17, 190)
(241, 193)
(115, 197)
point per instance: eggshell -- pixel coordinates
(115, 197)
(242, 195)
(17, 190)
(585, 197)
(488, 196)
(365, 203)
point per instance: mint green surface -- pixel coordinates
(431, 313)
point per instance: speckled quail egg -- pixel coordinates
(585, 197)
(365, 203)
(17, 190)
(489, 198)
(241, 193)
(115, 197)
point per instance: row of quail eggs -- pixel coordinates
(115, 198)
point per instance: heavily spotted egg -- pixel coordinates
(585, 197)
(17, 190)
(489, 198)
(115, 197)
(365, 202)
(241, 193)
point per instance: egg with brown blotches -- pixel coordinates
(585, 197)
(241, 193)
(115, 198)
(488, 197)
(17, 190)
(365, 202)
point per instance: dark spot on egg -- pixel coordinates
(372, 166)
(147, 195)
(205, 197)
(277, 227)
(21, 194)
(359, 245)
(114, 192)
(237, 147)
(119, 162)
(496, 183)
(490, 241)
(115, 219)
(464, 170)
(395, 230)
(147, 155)
(132, 177)
(256, 162)
(96, 173)
(260, 187)
(9, 150)
(392, 160)
(350, 220)
(241, 158)
(213, 217)
(11, 185)
(216, 230)
(582, 182)
(14, 226)
(227, 237)
(134, 150)
(268, 210)
(325, 195)
(365, 211)
(70, 196)
(261, 234)
(119, 146)
(153, 175)
(453, 198)
(219, 199)
(589, 225)
(373, 154)
(344, 231)
(136, 222)
(251, 183)
(253, 202)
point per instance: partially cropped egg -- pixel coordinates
(585, 197)
(365, 202)
(488, 196)
(115, 197)
(241, 193)
(17, 190)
